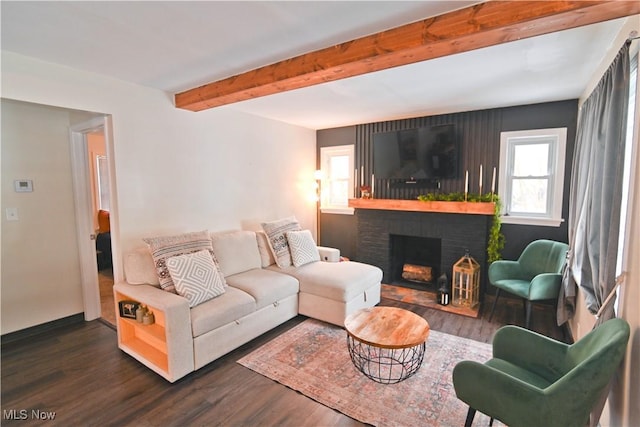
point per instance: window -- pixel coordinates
(532, 176)
(625, 214)
(337, 186)
(102, 182)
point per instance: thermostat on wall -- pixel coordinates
(23, 185)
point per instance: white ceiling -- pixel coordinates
(177, 45)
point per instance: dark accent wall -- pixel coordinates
(475, 131)
(479, 133)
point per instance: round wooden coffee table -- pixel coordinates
(386, 344)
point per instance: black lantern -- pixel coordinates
(444, 294)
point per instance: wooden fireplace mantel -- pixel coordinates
(476, 208)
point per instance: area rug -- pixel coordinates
(312, 358)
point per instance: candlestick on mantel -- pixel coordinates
(493, 181)
(480, 181)
(361, 175)
(373, 184)
(466, 184)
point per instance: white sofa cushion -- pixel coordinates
(303, 248)
(139, 268)
(217, 312)
(339, 281)
(265, 286)
(265, 251)
(276, 233)
(236, 251)
(196, 277)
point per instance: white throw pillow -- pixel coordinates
(196, 277)
(276, 233)
(303, 249)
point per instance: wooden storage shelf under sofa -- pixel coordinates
(146, 341)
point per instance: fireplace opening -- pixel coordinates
(415, 261)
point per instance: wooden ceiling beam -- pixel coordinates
(481, 25)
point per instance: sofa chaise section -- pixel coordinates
(330, 291)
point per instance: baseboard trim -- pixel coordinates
(43, 328)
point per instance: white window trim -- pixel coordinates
(507, 138)
(325, 154)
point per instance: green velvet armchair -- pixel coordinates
(536, 381)
(535, 276)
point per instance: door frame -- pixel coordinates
(85, 232)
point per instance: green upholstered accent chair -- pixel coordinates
(533, 380)
(535, 276)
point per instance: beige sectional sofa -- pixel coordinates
(258, 296)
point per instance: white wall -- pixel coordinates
(40, 275)
(177, 170)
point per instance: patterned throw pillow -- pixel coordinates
(196, 277)
(168, 246)
(303, 249)
(276, 233)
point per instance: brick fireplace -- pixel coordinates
(379, 231)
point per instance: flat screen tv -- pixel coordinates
(427, 153)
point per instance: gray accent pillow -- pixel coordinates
(277, 238)
(164, 247)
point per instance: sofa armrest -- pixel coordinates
(505, 269)
(173, 313)
(532, 351)
(329, 254)
(545, 286)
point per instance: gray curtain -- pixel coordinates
(596, 193)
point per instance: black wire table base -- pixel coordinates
(385, 365)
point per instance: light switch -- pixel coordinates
(12, 214)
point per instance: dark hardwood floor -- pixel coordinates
(78, 373)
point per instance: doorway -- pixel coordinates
(101, 215)
(93, 193)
